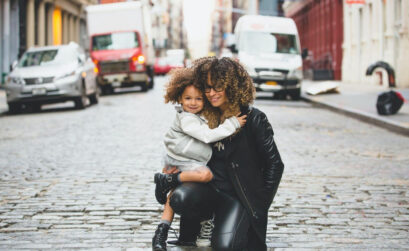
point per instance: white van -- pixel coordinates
(269, 48)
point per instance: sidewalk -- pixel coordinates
(359, 101)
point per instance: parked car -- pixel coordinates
(269, 49)
(176, 58)
(164, 65)
(175, 62)
(161, 66)
(52, 74)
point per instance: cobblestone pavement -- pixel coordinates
(83, 179)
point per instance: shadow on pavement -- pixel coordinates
(125, 90)
(49, 108)
(175, 248)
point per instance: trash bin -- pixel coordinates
(389, 103)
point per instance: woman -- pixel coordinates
(247, 167)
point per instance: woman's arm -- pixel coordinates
(266, 147)
(201, 131)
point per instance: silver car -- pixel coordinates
(52, 74)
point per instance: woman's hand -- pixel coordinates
(241, 119)
(170, 169)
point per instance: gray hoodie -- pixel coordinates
(189, 136)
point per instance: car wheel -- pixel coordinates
(14, 108)
(94, 98)
(81, 101)
(295, 94)
(145, 86)
(151, 78)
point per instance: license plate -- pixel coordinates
(39, 91)
(116, 84)
(271, 83)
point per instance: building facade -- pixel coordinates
(9, 41)
(176, 31)
(168, 30)
(160, 22)
(221, 25)
(27, 23)
(270, 7)
(320, 26)
(376, 30)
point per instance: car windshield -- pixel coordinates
(58, 56)
(115, 41)
(265, 42)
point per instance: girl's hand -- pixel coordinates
(241, 119)
(170, 169)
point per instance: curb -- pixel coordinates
(362, 116)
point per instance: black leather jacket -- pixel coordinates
(255, 167)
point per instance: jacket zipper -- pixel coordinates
(242, 191)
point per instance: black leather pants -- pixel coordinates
(197, 201)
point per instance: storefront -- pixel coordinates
(320, 25)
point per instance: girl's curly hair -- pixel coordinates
(229, 75)
(179, 79)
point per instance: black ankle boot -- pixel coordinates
(159, 239)
(165, 183)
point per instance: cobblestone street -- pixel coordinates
(74, 180)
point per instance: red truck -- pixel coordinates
(121, 45)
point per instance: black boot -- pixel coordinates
(159, 239)
(165, 183)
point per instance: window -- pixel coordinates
(264, 42)
(60, 56)
(398, 12)
(36, 58)
(115, 41)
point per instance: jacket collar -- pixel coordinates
(179, 108)
(246, 109)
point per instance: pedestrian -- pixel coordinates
(246, 166)
(187, 146)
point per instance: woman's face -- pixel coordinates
(217, 98)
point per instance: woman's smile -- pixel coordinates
(216, 98)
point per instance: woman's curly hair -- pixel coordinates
(229, 75)
(179, 79)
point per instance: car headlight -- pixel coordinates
(15, 80)
(66, 75)
(296, 73)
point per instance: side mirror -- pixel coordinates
(304, 53)
(81, 59)
(13, 65)
(233, 48)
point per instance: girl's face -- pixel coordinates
(192, 100)
(217, 97)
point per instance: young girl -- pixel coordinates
(187, 145)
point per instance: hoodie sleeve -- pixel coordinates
(191, 125)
